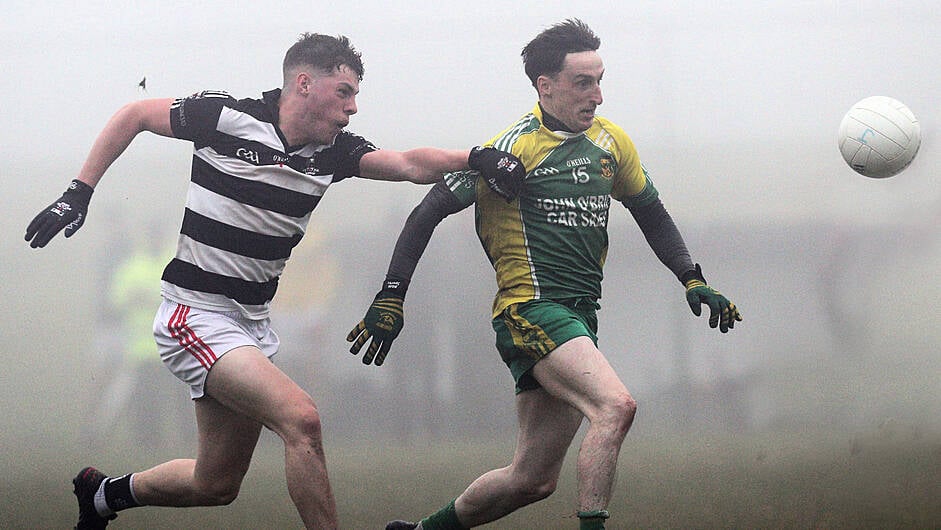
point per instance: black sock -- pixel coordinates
(118, 493)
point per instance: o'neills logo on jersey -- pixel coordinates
(580, 161)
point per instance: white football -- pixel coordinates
(879, 137)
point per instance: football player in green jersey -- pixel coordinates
(548, 247)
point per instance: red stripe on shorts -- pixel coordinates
(188, 339)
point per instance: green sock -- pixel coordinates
(592, 519)
(443, 519)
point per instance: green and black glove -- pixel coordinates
(68, 212)
(382, 323)
(722, 312)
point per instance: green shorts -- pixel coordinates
(528, 331)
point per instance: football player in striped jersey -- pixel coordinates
(259, 168)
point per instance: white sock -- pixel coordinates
(131, 480)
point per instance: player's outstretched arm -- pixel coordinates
(385, 317)
(503, 172)
(70, 210)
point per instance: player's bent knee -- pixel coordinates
(620, 412)
(224, 498)
(305, 425)
(535, 490)
(539, 493)
(221, 492)
(628, 409)
(309, 422)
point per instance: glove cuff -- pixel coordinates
(692, 275)
(396, 288)
(80, 190)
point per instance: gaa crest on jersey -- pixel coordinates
(607, 167)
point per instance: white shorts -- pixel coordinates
(191, 340)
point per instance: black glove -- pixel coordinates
(68, 212)
(502, 171)
(383, 322)
(722, 312)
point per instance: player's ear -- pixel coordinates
(303, 83)
(543, 86)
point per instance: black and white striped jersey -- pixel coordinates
(249, 200)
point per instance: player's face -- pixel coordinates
(331, 102)
(574, 93)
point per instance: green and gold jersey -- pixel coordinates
(551, 242)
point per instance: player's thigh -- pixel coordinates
(227, 440)
(247, 382)
(547, 426)
(579, 374)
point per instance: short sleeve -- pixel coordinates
(195, 117)
(349, 149)
(632, 184)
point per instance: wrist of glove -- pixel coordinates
(502, 171)
(68, 213)
(383, 322)
(722, 312)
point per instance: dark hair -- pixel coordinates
(545, 54)
(324, 53)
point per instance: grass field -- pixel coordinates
(877, 480)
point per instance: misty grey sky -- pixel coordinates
(700, 89)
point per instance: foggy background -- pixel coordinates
(734, 109)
